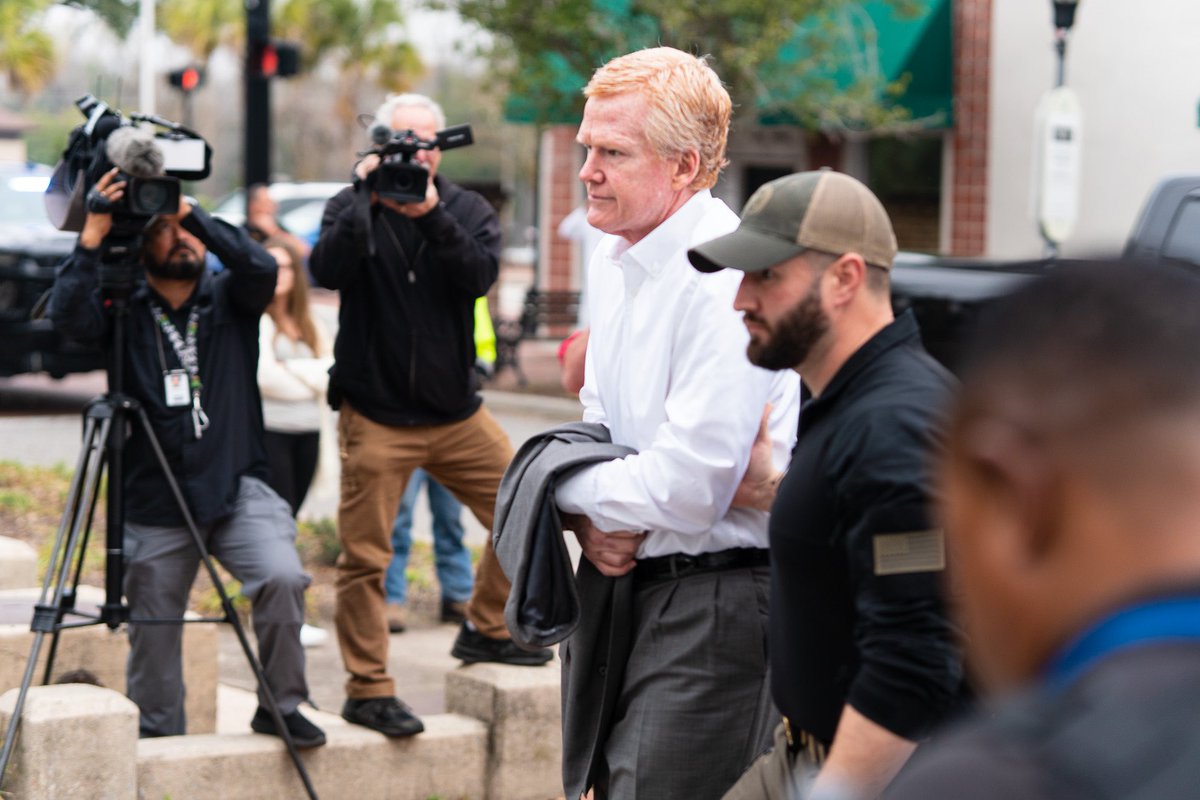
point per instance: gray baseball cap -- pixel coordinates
(820, 210)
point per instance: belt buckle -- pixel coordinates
(787, 733)
(682, 564)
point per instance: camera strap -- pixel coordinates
(188, 353)
(363, 224)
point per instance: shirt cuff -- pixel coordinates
(572, 494)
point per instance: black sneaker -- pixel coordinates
(472, 646)
(384, 714)
(304, 733)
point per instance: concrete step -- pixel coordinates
(448, 760)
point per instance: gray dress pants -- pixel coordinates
(257, 545)
(695, 707)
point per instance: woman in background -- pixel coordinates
(295, 352)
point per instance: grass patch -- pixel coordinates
(32, 501)
(317, 542)
(15, 501)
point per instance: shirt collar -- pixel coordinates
(652, 253)
(201, 293)
(901, 331)
(1169, 619)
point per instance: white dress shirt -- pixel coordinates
(666, 372)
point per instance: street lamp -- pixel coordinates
(1064, 18)
(1059, 126)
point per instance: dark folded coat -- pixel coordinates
(543, 605)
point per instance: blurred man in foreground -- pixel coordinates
(1072, 504)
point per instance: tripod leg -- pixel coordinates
(71, 593)
(47, 618)
(227, 605)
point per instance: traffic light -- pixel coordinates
(274, 58)
(187, 79)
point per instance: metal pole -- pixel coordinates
(258, 95)
(1060, 47)
(146, 61)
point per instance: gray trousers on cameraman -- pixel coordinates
(256, 544)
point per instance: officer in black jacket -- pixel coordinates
(864, 660)
(191, 359)
(405, 386)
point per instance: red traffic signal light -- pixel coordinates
(268, 61)
(275, 58)
(187, 79)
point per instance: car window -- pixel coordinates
(1183, 240)
(21, 199)
(304, 220)
(234, 203)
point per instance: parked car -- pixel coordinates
(30, 250)
(945, 293)
(301, 205)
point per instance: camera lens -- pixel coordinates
(151, 197)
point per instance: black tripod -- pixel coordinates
(106, 422)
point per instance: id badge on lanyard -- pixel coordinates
(176, 390)
(181, 387)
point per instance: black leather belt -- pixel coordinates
(679, 565)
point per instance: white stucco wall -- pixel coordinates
(1136, 67)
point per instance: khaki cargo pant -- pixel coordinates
(468, 458)
(780, 774)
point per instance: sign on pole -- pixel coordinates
(1059, 131)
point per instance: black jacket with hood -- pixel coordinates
(405, 349)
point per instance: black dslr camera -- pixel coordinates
(398, 177)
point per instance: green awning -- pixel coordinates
(900, 53)
(562, 86)
(919, 49)
(903, 46)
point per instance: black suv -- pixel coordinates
(30, 249)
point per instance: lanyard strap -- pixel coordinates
(188, 353)
(1169, 620)
(185, 349)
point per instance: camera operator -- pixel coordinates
(190, 357)
(404, 382)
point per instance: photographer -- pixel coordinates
(404, 382)
(190, 358)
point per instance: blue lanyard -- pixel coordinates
(1170, 620)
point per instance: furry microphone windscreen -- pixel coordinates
(135, 152)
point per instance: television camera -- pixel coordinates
(398, 177)
(151, 164)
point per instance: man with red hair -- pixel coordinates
(665, 691)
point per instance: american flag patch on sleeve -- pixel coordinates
(916, 551)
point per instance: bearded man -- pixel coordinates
(864, 661)
(190, 358)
